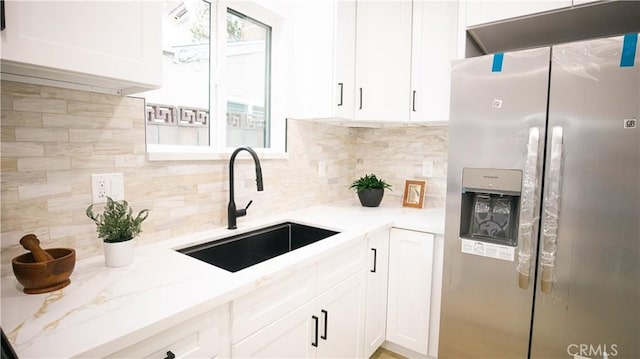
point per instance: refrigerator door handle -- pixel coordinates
(551, 209)
(528, 205)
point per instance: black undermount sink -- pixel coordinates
(244, 250)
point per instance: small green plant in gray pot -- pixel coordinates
(117, 227)
(370, 189)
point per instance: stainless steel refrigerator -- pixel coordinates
(542, 234)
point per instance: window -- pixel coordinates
(179, 112)
(216, 91)
(247, 82)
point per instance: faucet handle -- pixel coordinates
(243, 211)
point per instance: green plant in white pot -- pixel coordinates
(370, 190)
(117, 227)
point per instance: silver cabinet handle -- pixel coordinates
(529, 207)
(360, 98)
(341, 92)
(551, 211)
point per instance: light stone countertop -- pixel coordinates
(107, 309)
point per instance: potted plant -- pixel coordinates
(117, 226)
(370, 190)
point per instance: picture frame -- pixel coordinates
(414, 193)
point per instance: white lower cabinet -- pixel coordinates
(410, 281)
(376, 309)
(205, 336)
(288, 337)
(267, 304)
(341, 266)
(317, 311)
(341, 319)
(330, 326)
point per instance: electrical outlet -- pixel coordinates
(107, 185)
(427, 168)
(322, 169)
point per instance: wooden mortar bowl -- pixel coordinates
(43, 277)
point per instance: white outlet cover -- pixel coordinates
(322, 169)
(427, 168)
(107, 185)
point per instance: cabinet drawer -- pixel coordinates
(266, 304)
(342, 265)
(200, 337)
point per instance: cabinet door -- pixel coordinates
(376, 309)
(312, 87)
(341, 312)
(291, 336)
(480, 12)
(435, 38)
(383, 60)
(409, 299)
(97, 43)
(345, 59)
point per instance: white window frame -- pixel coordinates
(217, 148)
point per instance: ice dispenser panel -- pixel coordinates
(490, 205)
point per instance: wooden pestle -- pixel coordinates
(32, 243)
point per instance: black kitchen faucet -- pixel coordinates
(232, 212)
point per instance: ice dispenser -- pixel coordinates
(490, 205)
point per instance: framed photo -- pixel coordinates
(414, 194)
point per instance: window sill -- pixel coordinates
(189, 153)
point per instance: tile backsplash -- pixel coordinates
(53, 140)
(398, 154)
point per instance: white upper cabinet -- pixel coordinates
(383, 61)
(345, 59)
(102, 46)
(480, 12)
(310, 28)
(435, 40)
(362, 63)
(322, 65)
